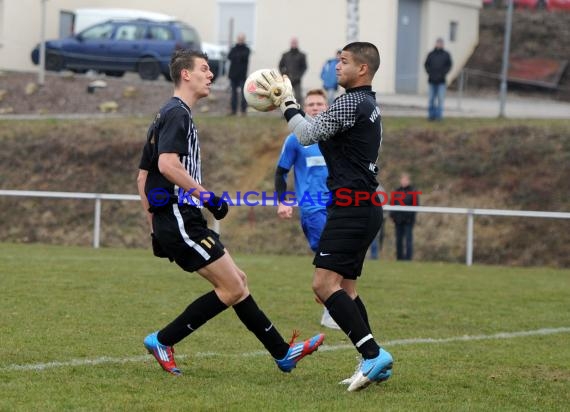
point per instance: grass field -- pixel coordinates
(73, 320)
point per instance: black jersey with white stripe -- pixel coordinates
(349, 134)
(172, 131)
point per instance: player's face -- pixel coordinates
(347, 70)
(314, 104)
(201, 78)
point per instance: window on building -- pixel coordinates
(453, 31)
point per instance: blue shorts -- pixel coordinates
(313, 224)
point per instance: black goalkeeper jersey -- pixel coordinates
(349, 134)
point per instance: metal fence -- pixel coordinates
(469, 212)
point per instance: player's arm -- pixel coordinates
(141, 181)
(281, 181)
(172, 169)
(283, 211)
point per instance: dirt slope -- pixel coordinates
(463, 163)
(535, 34)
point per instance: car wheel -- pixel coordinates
(54, 61)
(148, 68)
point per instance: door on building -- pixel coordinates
(236, 17)
(66, 20)
(408, 46)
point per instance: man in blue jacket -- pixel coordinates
(328, 76)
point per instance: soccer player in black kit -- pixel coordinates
(349, 135)
(170, 165)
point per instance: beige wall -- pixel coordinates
(322, 32)
(320, 26)
(437, 17)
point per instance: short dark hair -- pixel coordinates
(184, 59)
(365, 53)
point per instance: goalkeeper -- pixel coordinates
(349, 135)
(310, 183)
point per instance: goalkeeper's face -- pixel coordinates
(348, 71)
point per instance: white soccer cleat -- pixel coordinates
(374, 370)
(327, 320)
(348, 381)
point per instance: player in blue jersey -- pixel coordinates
(311, 190)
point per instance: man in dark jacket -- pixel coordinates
(404, 221)
(437, 65)
(293, 63)
(239, 59)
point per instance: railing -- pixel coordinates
(469, 212)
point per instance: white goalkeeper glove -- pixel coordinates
(278, 88)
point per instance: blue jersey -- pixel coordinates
(310, 173)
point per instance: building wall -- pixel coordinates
(321, 33)
(438, 14)
(320, 26)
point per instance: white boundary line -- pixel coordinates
(397, 342)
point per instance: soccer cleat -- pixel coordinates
(162, 353)
(348, 381)
(327, 320)
(298, 351)
(374, 370)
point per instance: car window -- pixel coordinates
(98, 32)
(159, 33)
(130, 32)
(189, 35)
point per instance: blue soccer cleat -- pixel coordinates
(298, 351)
(162, 353)
(374, 370)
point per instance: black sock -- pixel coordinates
(196, 314)
(346, 314)
(362, 310)
(256, 321)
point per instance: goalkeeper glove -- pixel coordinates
(278, 88)
(217, 206)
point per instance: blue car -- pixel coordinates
(118, 46)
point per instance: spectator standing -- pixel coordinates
(293, 63)
(437, 65)
(328, 76)
(239, 60)
(404, 221)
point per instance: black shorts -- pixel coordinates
(183, 234)
(348, 233)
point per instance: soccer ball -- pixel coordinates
(253, 99)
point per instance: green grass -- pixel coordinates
(65, 303)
